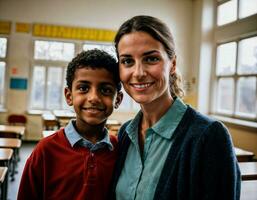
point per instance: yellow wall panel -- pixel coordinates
(5, 27)
(67, 32)
(23, 27)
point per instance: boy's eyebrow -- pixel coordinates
(101, 83)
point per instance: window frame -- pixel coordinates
(47, 64)
(3, 99)
(224, 34)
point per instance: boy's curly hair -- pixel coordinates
(94, 59)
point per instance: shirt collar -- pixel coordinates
(166, 126)
(74, 137)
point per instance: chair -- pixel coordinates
(17, 119)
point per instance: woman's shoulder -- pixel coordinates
(204, 124)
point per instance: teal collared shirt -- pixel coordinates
(140, 174)
(75, 138)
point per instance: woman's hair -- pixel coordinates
(159, 31)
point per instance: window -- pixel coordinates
(236, 73)
(232, 10)
(108, 47)
(48, 76)
(3, 49)
(247, 8)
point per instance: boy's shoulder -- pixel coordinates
(55, 138)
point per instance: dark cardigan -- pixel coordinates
(201, 163)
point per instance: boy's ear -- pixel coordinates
(68, 96)
(118, 99)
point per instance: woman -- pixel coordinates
(168, 151)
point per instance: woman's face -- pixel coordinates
(145, 68)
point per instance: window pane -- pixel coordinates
(247, 8)
(2, 78)
(3, 45)
(226, 59)
(246, 97)
(109, 48)
(227, 12)
(126, 103)
(47, 50)
(226, 95)
(247, 60)
(64, 104)
(38, 87)
(54, 88)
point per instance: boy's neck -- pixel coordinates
(92, 133)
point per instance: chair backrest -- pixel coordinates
(17, 119)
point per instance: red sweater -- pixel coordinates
(56, 170)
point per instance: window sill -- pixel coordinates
(35, 112)
(237, 123)
(3, 110)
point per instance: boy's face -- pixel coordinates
(93, 96)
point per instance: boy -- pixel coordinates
(77, 162)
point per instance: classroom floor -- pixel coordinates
(13, 186)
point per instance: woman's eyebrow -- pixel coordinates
(150, 52)
(144, 54)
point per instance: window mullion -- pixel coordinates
(46, 87)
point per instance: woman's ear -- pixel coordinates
(118, 100)
(68, 96)
(173, 65)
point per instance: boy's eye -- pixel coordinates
(83, 88)
(107, 91)
(151, 59)
(127, 61)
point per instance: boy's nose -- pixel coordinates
(93, 96)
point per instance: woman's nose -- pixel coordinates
(139, 70)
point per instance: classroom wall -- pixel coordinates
(178, 14)
(188, 20)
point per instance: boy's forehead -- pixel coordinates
(97, 74)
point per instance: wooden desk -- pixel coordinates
(248, 170)
(5, 156)
(243, 155)
(10, 143)
(3, 182)
(49, 121)
(47, 133)
(113, 126)
(14, 144)
(248, 190)
(64, 116)
(10, 131)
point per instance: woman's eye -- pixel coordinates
(151, 59)
(126, 61)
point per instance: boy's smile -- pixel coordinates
(93, 96)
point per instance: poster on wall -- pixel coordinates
(18, 83)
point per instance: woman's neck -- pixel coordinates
(153, 111)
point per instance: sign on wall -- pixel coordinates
(18, 83)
